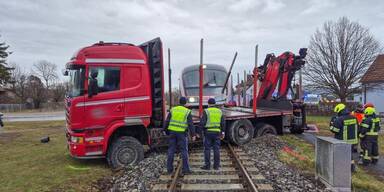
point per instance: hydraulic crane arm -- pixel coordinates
(278, 72)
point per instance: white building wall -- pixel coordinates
(376, 96)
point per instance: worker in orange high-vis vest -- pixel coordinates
(358, 113)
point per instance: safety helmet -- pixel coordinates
(183, 101)
(368, 105)
(339, 107)
(211, 101)
(369, 111)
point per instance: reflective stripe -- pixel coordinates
(361, 135)
(335, 129)
(110, 101)
(366, 157)
(364, 125)
(114, 60)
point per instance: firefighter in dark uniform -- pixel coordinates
(213, 126)
(177, 125)
(345, 127)
(368, 133)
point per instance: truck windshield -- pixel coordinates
(76, 82)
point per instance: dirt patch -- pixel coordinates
(8, 137)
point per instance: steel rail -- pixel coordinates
(252, 187)
(173, 185)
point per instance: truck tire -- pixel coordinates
(125, 151)
(240, 132)
(264, 129)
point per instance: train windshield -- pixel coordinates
(213, 82)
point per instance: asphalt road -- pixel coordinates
(38, 116)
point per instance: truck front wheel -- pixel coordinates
(240, 132)
(125, 151)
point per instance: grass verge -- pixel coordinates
(28, 165)
(303, 157)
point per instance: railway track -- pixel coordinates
(237, 173)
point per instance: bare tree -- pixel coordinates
(18, 82)
(35, 91)
(339, 54)
(58, 92)
(46, 71)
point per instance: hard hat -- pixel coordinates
(183, 101)
(368, 105)
(211, 101)
(339, 107)
(369, 111)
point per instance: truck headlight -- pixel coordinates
(78, 140)
(192, 100)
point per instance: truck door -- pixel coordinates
(108, 104)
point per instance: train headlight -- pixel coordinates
(192, 100)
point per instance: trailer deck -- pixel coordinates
(233, 113)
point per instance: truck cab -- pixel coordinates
(115, 96)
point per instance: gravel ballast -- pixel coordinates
(135, 178)
(264, 152)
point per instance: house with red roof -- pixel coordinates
(373, 84)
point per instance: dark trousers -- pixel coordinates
(212, 140)
(180, 141)
(370, 148)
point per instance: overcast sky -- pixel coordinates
(53, 30)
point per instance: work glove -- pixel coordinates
(222, 135)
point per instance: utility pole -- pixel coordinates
(238, 94)
(169, 78)
(254, 98)
(201, 79)
(245, 89)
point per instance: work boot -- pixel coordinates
(353, 168)
(205, 167)
(374, 161)
(216, 168)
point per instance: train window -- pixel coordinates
(108, 78)
(212, 78)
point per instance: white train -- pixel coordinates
(214, 80)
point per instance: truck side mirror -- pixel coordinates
(93, 89)
(65, 72)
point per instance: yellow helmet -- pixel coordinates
(369, 111)
(339, 107)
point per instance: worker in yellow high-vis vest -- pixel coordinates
(369, 133)
(213, 125)
(345, 127)
(177, 125)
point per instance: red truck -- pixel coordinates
(115, 105)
